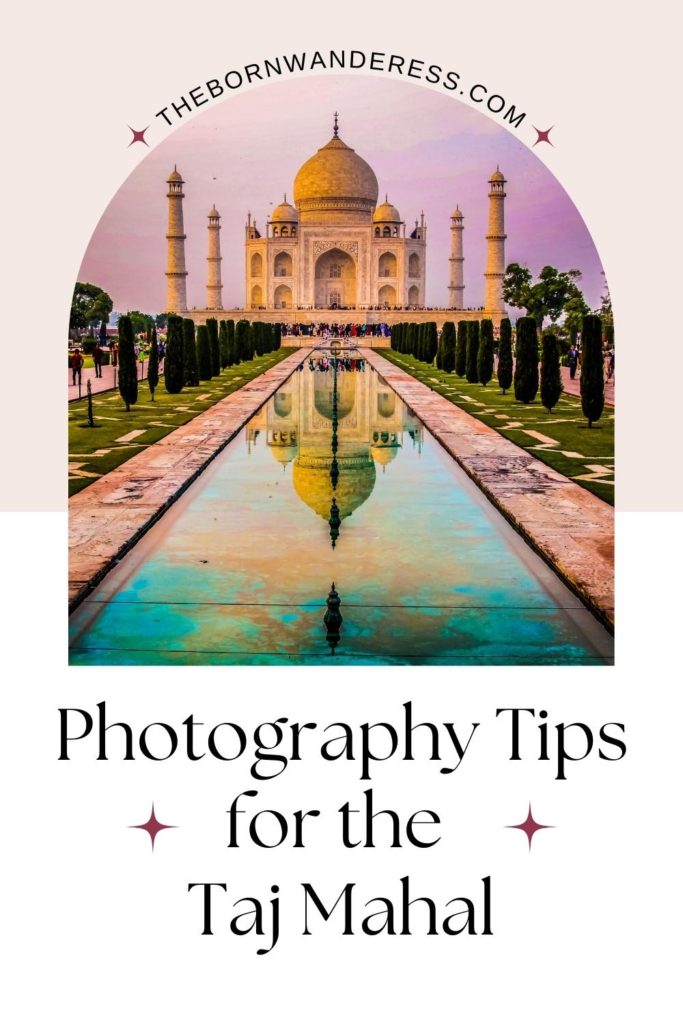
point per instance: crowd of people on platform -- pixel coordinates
(323, 330)
(344, 363)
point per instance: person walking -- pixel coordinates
(610, 363)
(76, 367)
(573, 360)
(97, 359)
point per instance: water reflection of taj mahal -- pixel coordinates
(335, 459)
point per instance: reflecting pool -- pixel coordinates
(334, 481)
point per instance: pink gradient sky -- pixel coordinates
(428, 150)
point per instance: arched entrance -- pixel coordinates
(282, 266)
(335, 280)
(257, 295)
(387, 295)
(283, 297)
(413, 295)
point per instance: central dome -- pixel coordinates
(335, 181)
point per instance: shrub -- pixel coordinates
(233, 357)
(223, 344)
(242, 341)
(592, 369)
(526, 360)
(472, 352)
(212, 328)
(505, 355)
(551, 376)
(204, 353)
(485, 356)
(448, 347)
(461, 349)
(173, 363)
(153, 365)
(190, 369)
(128, 369)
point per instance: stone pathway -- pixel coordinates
(109, 516)
(106, 382)
(573, 387)
(571, 528)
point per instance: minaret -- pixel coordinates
(495, 259)
(213, 279)
(176, 294)
(456, 286)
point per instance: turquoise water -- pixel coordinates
(427, 571)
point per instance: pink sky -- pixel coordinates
(428, 150)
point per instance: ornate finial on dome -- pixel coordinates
(336, 125)
(386, 197)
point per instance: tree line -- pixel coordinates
(469, 352)
(193, 354)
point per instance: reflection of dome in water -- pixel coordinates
(284, 453)
(386, 403)
(312, 483)
(282, 404)
(346, 394)
(384, 454)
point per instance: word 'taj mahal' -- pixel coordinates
(336, 249)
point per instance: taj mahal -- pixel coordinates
(335, 248)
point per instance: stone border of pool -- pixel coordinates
(109, 517)
(569, 527)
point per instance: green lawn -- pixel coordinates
(94, 452)
(586, 456)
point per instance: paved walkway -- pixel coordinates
(573, 387)
(108, 380)
(107, 518)
(569, 527)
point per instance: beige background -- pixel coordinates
(587, 925)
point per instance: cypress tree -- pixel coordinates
(461, 349)
(526, 360)
(204, 353)
(505, 355)
(448, 347)
(212, 328)
(472, 351)
(190, 371)
(242, 340)
(128, 370)
(551, 377)
(413, 340)
(173, 363)
(277, 337)
(257, 338)
(223, 343)
(592, 369)
(153, 365)
(232, 348)
(485, 356)
(432, 342)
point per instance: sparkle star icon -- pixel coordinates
(543, 136)
(138, 136)
(152, 827)
(530, 827)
